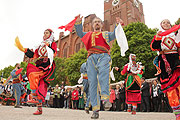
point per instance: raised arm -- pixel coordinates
(78, 26)
(112, 34)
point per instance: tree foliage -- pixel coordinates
(178, 22)
(60, 74)
(6, 71)
(73, 65)
(68, 69)
(139, 37)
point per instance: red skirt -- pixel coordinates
(133, 96)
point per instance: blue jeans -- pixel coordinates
(17, 92)
(98, 69)
(86, 90)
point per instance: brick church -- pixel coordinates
(128, 10)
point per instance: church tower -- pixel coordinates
(128, 10)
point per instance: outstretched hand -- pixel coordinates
(159, 32)
(116, 68)
(119, 20)
(79, 18)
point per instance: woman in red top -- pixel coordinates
(75, 98)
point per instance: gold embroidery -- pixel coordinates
(106, 37)
(93, 36)
(105, 97)
(78, 23)
(95, 108)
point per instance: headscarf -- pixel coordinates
(50, 39)
(135, 69)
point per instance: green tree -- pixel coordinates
(24, 66)
(60, 74)
(6, 71)
(178, 22)
(139, 37)
(73, 64)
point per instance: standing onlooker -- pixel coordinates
(117, 100)
(56, 96)
(155, 94)
(67, 97)
(62, 96)
(122, 97)
(48, 97)
(75, 98)
(81, 100)
(145, 94)
(112, 98)
(9, 88)
(1, 88)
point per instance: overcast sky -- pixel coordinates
(29, 18)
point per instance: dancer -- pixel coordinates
(17, 78)
(98, 62)
(132, 82)
(40, 75)
(168, 44)
(83, 71)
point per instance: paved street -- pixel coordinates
(11, 113)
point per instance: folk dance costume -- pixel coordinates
(40, 75)
(132, 83)
(168, 45)
(17, 78)
(98, 64)
(99, 60)
(83, 71)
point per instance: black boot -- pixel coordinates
(87, 110)
(95, 115)
(107, 105)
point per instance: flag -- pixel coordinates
(69, 26)
(121, 39)
(173, 29)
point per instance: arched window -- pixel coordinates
(65, 50)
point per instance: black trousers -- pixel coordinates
(155, 103)
(145, 104)
(122, 103)
(75, 104)
(118, 104)
(56, 102)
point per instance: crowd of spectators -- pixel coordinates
(153, 99)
